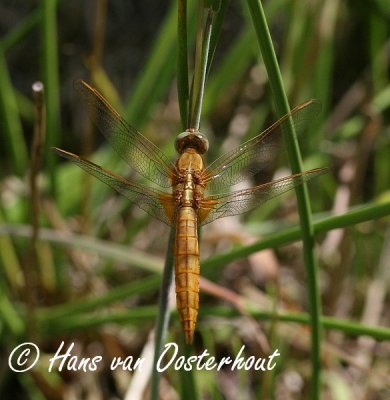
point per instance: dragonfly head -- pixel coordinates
(192, 139)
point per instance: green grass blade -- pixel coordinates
(219, 15)
(11, 268)
(287, 236)
(282, 107)
(163, 314)
(103, 248)
(22, 29)
(280, 238)
(230, 70)
(9, 315)
(158, 72)
(236, 61)
(79, 322)
(349, 327)
(188, 389)
(51, 82)
(141, 286)
(182, 63)
(13, 130)
(53, 325)
(200, 69)
(378, 35)
(325, 61)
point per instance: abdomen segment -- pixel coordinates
(187, 270)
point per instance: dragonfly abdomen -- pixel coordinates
(187, 270)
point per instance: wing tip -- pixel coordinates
(79, 84)
(305, 176)
(319, 171)
(65, 154)
(314, 104)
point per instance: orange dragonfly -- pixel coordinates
(188, 200)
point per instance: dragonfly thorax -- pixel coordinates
(191, 139)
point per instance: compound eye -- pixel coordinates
(203, 143)
(194, 140)
(180, 142)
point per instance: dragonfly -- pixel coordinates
(188, 194)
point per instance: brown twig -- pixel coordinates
(30, 265)
(36, 157)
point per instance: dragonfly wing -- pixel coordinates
(156, 203)
(224, 205)
(255, 154)
(131, 145)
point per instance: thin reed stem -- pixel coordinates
(51, 81)
(36, 159)
(163, 313)
(30, 263)
(304, 208)
(200, 70)
(182, 62)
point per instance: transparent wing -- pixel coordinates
(131, 145)
(154, 202)
(255, 154)
(241, 201)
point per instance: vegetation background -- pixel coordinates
(91, 274)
